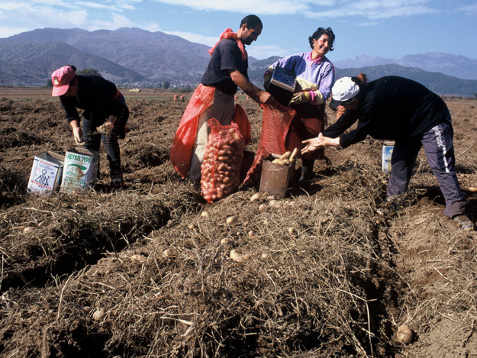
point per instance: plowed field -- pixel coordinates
(332, 270)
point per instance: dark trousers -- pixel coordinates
(93, 139)
(439, 148)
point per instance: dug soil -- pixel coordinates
(332, 270)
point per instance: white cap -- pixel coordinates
(345, 88)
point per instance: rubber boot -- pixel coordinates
(116, 174)
(306, 170)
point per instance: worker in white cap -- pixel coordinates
(399, 109)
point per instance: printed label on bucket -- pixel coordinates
(80, 170)
(386, 158)
(44, 177)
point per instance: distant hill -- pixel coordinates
(134, 57)
(30, 63)
(154, 55)
(449, 64)
(437, 82)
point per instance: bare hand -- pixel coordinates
(78, 135)
(264, 97)
(105, 128)
(321, 141)
(312, 144)
(274, 103)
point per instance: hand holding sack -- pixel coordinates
(222, 164)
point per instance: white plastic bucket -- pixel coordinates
(386, 155)
(45, 176)
(80, 169)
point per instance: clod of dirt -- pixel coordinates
(404, 334)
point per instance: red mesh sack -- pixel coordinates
(222, 164)
(274, 136)
(182, 147)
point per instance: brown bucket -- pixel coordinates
(275, 178)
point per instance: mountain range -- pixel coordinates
(449, 64)
(133, 57)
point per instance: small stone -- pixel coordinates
(291, 230)
(275, 204)
(27, 230)
(262, 207)
(204, 214)
(251, 234)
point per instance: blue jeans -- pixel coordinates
(439, 148)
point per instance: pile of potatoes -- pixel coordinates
(220, 170)
(286, 158)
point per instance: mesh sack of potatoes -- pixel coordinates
(222, 164)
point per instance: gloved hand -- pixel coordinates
(307, 97)
(301, 97)
(78, 135)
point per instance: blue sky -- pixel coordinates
(390, 29)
